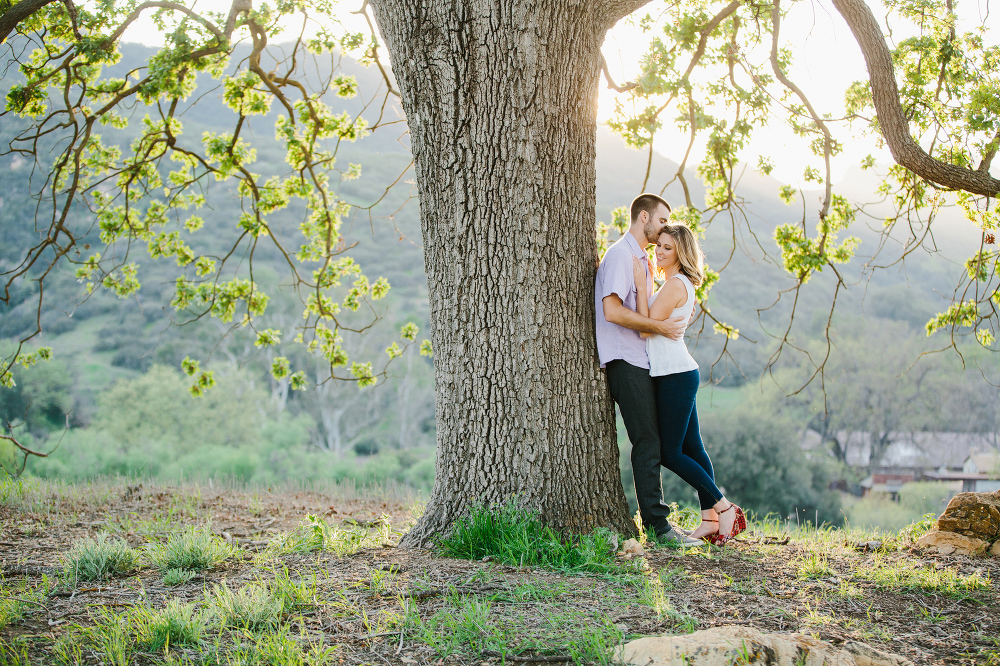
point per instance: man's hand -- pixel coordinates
(615, 312)
(672, 328)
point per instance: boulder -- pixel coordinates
(949, 543)
(995, 550)
(724, 646)
(975, 515)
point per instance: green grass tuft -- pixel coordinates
(294, 595)
(99, 558)
(815, 566)
(175, 624)
(921, 577)
(464, 621)
(276, 648)
(16, 602)
(514, 535)
(253, 607)
(111, 638)
(14, 653)
(172, 577)
(317, 535)
(597, 646)
(193, 550)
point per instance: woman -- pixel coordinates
(675, 373)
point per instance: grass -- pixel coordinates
(653, 593)
(920, 577)
(317, 535)
(253, 607)
(597, 646)
(176, 624)
(463, 621)
(111, 638)
(14, 653)
(99, 558)
(193, 550)
(513, 535)
(294, 595)
(174, 577)
(277, 648)
(577, 602)
(814, 566)
(18, 601)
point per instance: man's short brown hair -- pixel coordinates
(647, 202)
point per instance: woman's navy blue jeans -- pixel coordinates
(681, 448)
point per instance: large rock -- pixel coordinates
(949, 543)
(724, 646)
(975, 515)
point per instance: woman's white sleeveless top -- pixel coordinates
(666, 356)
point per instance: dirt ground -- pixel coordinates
(387, 605)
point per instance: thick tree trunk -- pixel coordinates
(501, 101)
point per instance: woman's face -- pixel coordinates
(666, 251)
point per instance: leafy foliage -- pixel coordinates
(150, 193)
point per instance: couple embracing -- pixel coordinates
(653, 378)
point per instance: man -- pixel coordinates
(622, 352)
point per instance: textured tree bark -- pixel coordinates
(891, 118)
(501, 101)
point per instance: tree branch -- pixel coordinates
(16, 14)
(611, 82)
(892, 120)
(612, 11)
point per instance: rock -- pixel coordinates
(632, 547)
(724, 646)
(949, 543)
(995, 550)
(975, 515)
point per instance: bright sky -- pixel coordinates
(827, 60)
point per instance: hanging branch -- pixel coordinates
(892, 120)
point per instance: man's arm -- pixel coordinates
(615, 312)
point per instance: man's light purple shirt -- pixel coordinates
(615, 276)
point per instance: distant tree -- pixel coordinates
(42, 400)
(758, 459)
(500, 101)
(879, 387)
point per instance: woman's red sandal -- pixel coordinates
(739, 525)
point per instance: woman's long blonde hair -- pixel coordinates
(688, 251)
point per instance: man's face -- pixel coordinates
(653, 224)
